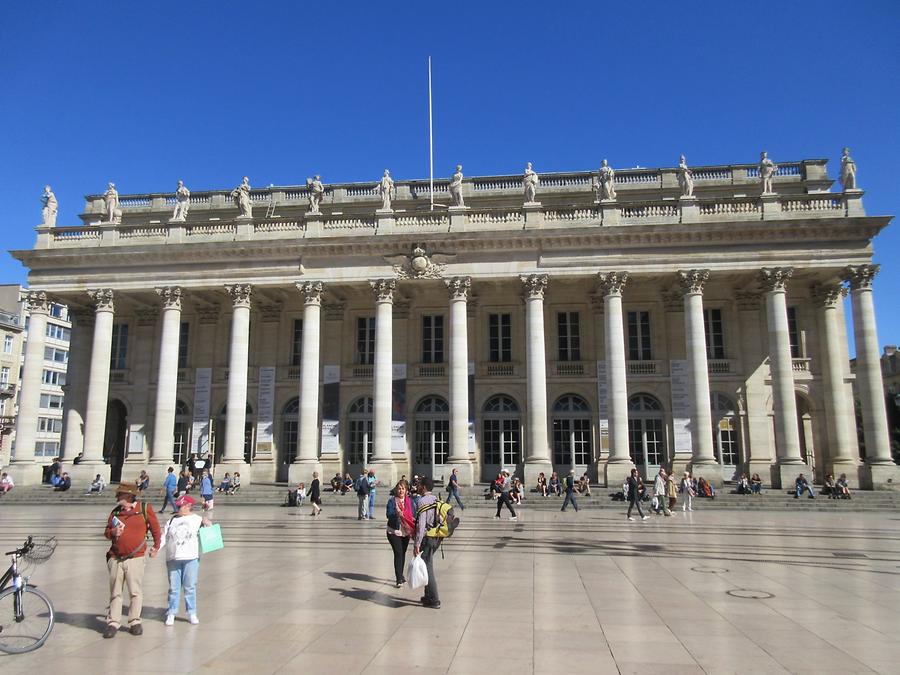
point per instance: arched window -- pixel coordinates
(359, 432)
(290, 432)
(432, 442)
(725, 436)
(500, 434)
(182, 434)
(646, 433)
(572, 442)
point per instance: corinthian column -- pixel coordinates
(869, 383)
(23, 467)
(238, 362)
(781, 364)
(692, 282)
(167, 380)
(619, 463)
(459, 379)
(538, 456)
(839, 416)
(308, 445)
(98, 381)
(383, 290)
(77, 384)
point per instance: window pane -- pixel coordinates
(183, 337)
(297, 342)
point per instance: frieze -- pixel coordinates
(270, 311)
(209, 314)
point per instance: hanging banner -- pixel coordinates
(471, 408)
(200, 424)
(681, 405)
(265, 416)
(398, 409)
(331, 410)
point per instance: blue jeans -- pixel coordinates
(805, 488)
(170, 499)
(183, 573)
(454, 494)
(372, 505)
(570, 497)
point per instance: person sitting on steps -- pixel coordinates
(801, 485)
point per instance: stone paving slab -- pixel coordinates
(703, 592)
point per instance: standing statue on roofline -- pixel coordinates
(848, 171)
(455, 188)
(607, 182)
(182, 202)
(316, 193)
(530, 182)
(111, 198)
(685, 178)
(50, 208)
(385, 188)
(241, 197)
(767, 169)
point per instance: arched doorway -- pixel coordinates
(115, 438)
(182, 434)
(290, 434)
(646, 434)
(501, 433)
(217, 434)
(359, 435)
(432, 441)
(726, 440)
(572, 439)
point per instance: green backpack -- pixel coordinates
(446, 520)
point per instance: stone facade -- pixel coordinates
(591, 330)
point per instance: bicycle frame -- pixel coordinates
(8, 575)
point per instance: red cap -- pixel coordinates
(184, 499)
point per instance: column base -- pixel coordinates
(302, 472)
(880, 477)
(784, 475)
(711, 471)
(615, 474)
(386, 473)
(532, 470)
(83, 474)
(25, 473)
(466, 473)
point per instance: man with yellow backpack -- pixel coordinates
(435, 521)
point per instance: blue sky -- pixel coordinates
(146, 93)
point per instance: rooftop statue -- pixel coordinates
(241, 197)
(111, 197)
(456, 180)
(595, 188)
(182, 202)
(530, 182)
(48, 212)
(316, 192)
(607, 182)
(767, 169)
(385, 188)
(685, 178)
(848, 171)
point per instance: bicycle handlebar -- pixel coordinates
(26, 547)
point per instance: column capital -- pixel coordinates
(383, 289)
(146, 316)
(36, 302)
(535, 285)
(312, 291)
(171, 297)
(861, 277)
(240, 294)
(774, 279)
(103, 299)
(458, 287)
(612, 283)
(828, 295)
(692, 281)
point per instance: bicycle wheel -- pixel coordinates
(32, 629)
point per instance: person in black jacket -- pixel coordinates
(315, 496)
(634, 489)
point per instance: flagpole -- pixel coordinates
(430, 140)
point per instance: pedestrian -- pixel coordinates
(570, 491)
(671, 491)
(184, 483)
(504, 497)
(634, 488)
(687, 491)
(181, 538)
(401, 525)
(127, 527)
(362, 494)
(315, 494)
(453, 488)
(170, 485)
(426, 518)
(659, 493)
(206, 491)
(372, 484)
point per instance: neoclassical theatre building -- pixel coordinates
(685, 317)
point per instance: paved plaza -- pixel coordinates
(712, 591)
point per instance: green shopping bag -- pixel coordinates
(211, 538)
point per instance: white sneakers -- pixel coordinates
(170, 619)
(644, 517)
(193, 619)
(630, 518)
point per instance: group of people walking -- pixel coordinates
(665, 493)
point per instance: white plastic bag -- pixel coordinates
(416, 573)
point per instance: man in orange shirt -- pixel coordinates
(127, 528)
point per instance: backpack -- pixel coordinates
(446, 520)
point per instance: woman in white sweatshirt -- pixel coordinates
(687, 489)
(181, 539)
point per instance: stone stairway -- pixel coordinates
(274, 495)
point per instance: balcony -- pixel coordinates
(362, 372)
(718, 366)
(431, 370)
(800, 365)
(572, 369)
(504, 369)
(7, 390)
(639, 368)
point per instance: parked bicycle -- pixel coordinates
(26, 614)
